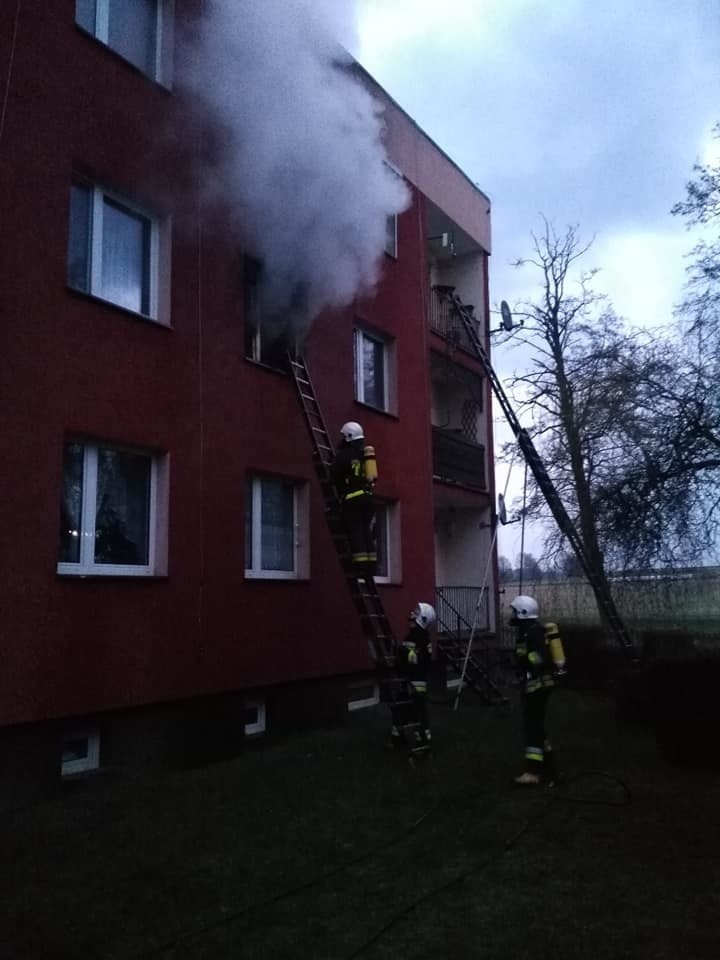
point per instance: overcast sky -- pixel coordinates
(591, 112)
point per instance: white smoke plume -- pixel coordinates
(301, 158)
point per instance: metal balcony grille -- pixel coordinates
(457, 460)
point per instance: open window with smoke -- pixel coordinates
(269, 334)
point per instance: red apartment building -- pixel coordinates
(167, 567)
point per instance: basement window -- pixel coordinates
(80, 752)
(254, 717)
(363, 694)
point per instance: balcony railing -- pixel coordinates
(458, 460)
(445, 321)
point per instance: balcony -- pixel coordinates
(445, 321)
(456, 460)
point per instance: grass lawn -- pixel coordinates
(312, 846)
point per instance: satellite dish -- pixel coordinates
(507, 320)
(502, 512)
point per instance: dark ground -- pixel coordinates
(328, 847)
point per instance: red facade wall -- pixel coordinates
(75, 365)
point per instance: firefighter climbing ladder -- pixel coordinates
(363, 590)
(533, 460)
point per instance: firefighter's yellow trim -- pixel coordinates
(534, 657)
(533, 753)
(355, 493)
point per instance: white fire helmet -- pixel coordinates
(352, 431)
(424, 615)
(525, 608)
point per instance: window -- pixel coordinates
(138, 30)
(109, 511)
(387, 532)
(276, 528)
(266, 338)
(254, 717)
(372, 363)
(391, 242)
(80, 752)
(363, 694)
(112, 250)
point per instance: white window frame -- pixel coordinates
(301, 528)
(162, 66)
(95, 247)
(360, 336)
(364, 703)
(87, 565)
(83, 764)
(260, 724)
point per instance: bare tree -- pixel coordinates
(627, 421)
(575, 341)
(701, 206)
(506, 571)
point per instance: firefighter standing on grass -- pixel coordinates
(355, 473)
(413, 658)
(540, 659)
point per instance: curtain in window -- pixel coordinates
(125, 257)
(278, 525)
(132, 31)
(71, 503)
(373, 372)
(122, 520)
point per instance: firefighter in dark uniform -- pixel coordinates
(540, 658)
(413, 665)
(355, 473)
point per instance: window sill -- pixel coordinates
(130, 314)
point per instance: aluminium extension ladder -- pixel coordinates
(394, 690)
(542, 478)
